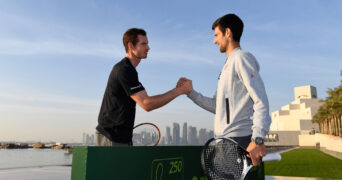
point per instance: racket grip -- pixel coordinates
(271, 157)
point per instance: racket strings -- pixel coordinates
(223, 160)
(146, 137)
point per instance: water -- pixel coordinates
(23, 158)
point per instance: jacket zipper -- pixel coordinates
(227, 110)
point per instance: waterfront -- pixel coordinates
(24, 158)
(64, 173)
(42, 164)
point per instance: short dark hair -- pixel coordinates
(131, 35)
(231, 21)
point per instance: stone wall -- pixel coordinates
(327, 143)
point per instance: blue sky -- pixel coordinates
(56, 56)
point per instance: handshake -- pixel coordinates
(184, 85)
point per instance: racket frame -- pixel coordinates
(148, 123)
(246, 167)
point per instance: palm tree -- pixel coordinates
(329, 115)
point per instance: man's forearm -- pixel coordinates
(150, 103)
(206, 103)
(157, 101)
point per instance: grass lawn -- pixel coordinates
(305, 163)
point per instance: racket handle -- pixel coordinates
(271, 157)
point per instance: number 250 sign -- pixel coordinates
(169, 168)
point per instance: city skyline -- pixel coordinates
(189, 135)
(89, 138)
(56, 57)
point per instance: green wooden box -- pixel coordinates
(139, 163)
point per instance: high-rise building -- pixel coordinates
(84, 138)
(176, 134)
(92, 139)
(192, 135)
(202, 136)
(184, 140)
(88, 139)
(162, 141)
(211, 134)
(168, 139)
(189, 135)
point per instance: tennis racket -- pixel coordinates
(146, 134)
(223, 158)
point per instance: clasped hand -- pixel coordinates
(185, 85)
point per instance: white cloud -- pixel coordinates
(299, 62)
(37, 37)
(42, 110)
(272, 26)
(180, 56)
(26, 48)
(44, 117)
(51, 38)
(110, 50)
(51, 99)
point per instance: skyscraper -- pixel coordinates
(192, 136)
(175, 134)
(185, 134)
(167, 136)
(202, 136)
(84, 138)
(162, 141)
(88, 139)
(211, 134)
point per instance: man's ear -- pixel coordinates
(228, 32)
(130, 46)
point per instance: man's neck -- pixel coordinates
(232, 45)
(133, 59)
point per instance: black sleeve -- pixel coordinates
(128, 79)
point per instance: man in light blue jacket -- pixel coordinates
(240, 103)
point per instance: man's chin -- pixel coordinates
(222, 50)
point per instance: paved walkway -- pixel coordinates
(64, 173)
(37, 173)
(294, 178)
